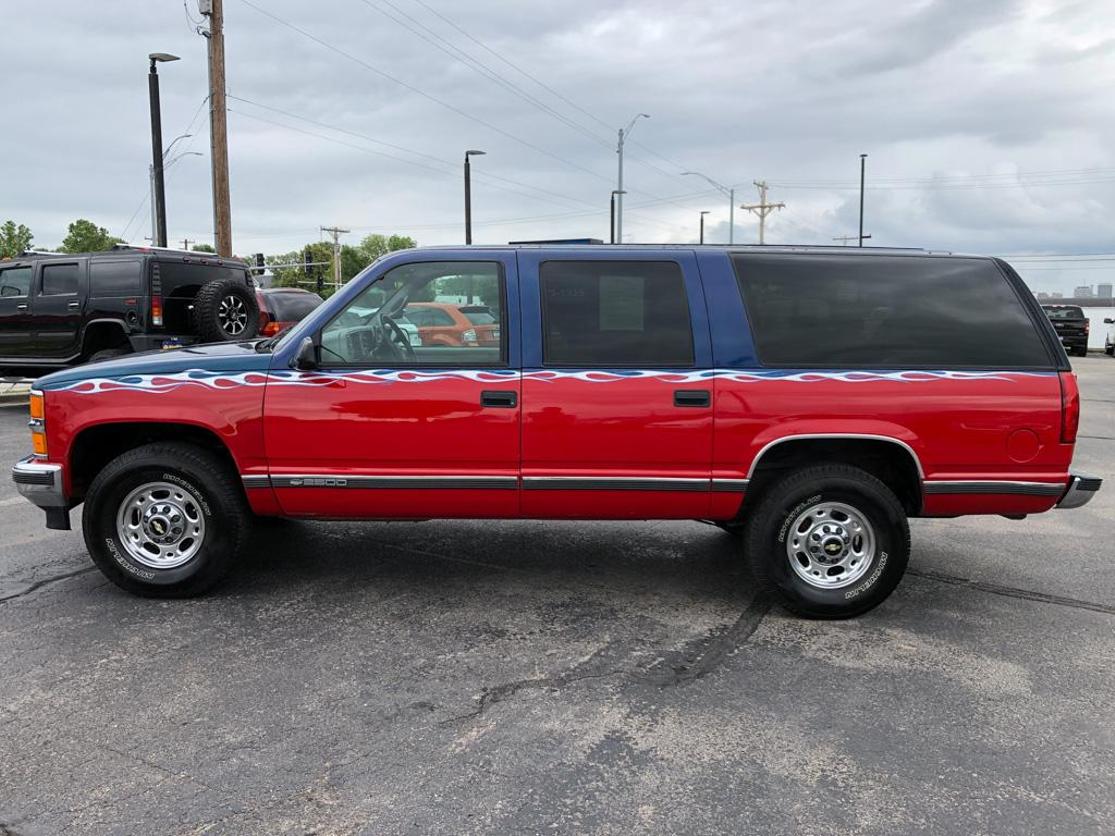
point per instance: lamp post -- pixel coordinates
(731, 193)
(703, 213)
(159, 210)
(624, 133)
(468, 193)
(612, 227)
(862, 169)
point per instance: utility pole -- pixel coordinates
(624, 133)
(762, 208)
(336, 232)
(186, 243)
(612, 226)
(468, 194)
(158, 192)
(862, 169)
(703, 213)
(730, 192)
(218, 125)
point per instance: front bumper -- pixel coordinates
(41, 483)
(1080, 491)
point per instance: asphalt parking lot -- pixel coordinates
(452, 677)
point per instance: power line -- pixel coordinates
(421, 92)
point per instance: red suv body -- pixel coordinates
(810, 400)
(441, 323)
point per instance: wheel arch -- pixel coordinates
(891, 460)
(100, 334)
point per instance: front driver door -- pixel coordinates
(385, 429)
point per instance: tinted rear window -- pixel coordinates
(291, 307)
(60, 279)
(116, 278)
(615, 313)
(1066, 312)
(886, 312)
(478, 316)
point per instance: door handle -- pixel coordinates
(73, 306)
(505, 399)
(21, 307)
(692, 397)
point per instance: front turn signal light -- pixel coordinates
(38, 424)
(38, 410)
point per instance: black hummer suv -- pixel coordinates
(59, 310)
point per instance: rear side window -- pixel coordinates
(291, 307)
(59, 279)
(886, 312)
(615, 313)
(479, 316)
(116, 278)
(15, 281)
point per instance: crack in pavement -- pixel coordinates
(1012, 592)
(44, 582)
(491, 696)
(1098, 437)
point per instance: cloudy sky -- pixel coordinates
(990, 125)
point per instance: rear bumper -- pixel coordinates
(41, 484)
(1080, 491)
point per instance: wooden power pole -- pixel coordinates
(762, 208)
(336, 232)
(218, 125)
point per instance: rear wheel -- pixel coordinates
(829, 541)
(165, 520)
(108, 354)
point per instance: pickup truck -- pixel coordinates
(809, 400)
(60, 309)
(1071, 325)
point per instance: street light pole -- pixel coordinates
(468, 194)
(624, 133)
(612, 226)
(862, 169)
(159, 209)
(730, 192)
(703, 213)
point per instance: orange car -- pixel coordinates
(441, 323)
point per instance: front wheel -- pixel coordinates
(165, 520)
(829, 541)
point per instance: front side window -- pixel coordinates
(615, 313)
(15, 281)
(392, 322)
(60, 279)
(886, 312)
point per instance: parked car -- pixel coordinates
(358, 316)
(60, 310)
(814, 399)
(1071, 325)
(1109, 339)
(281, 307)
(441, 323)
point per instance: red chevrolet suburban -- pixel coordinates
(811, 399)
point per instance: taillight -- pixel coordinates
(156, 310)
(469, 336)
(271, 328)
(1070, 407)
(1087, 326)
(38, 424)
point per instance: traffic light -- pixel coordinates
(261, 265)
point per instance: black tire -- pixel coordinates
(221, 506)
(226, 310)
(1109, 351)
(107, 354)
(781, 504)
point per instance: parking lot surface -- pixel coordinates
(522, 677)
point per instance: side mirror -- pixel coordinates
(306, 358)
(1109, 321)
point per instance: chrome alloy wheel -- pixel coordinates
(830, 545)
(232, 314)
(161, 525)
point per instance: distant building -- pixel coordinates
(1056, 295)
(1083, 292)
(1042, 294)
(1103, 291)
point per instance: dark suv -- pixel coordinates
(60, 310)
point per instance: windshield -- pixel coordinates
(1064, 312)
(478, 315)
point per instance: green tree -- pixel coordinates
(14, 239)
(353, 260)
(374, 246)
(203, 248)
(86, 237)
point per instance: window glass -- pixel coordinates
(15, 281)
(478, 315)
(886, 312)
(115, 278)
(291, 307)
(1063, 312)
(59, 279)
(401, 319)
(174, 274)
(615, 313)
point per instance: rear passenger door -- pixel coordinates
(617, 386)
(60, 291)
